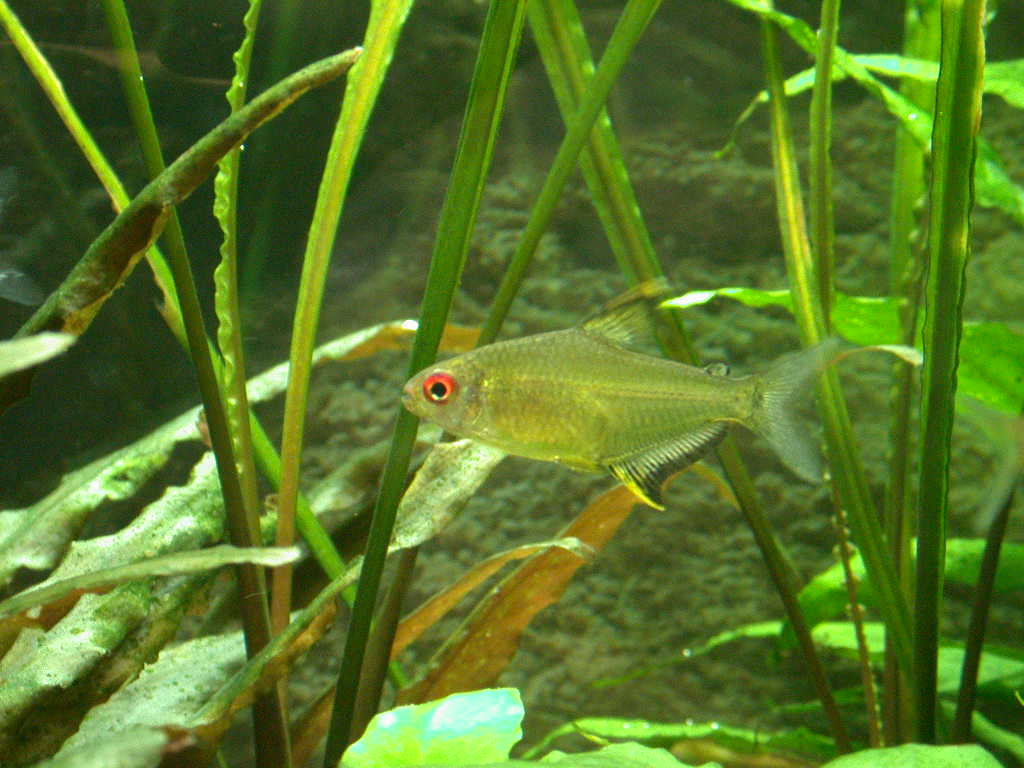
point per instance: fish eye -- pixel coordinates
(438, 388)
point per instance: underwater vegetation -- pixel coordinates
(232, 582)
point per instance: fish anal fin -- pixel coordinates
(645, 472)
(628, 319)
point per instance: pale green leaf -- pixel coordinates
(461, 729)
(918, 756)
(175, 564)
(450, 475)
(19, 354)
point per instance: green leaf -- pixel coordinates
(137, 747)
(991, 354)
(461, 729)
(918, 756)
(994, 187)
(619, 756)
(1006, 79)
(449, 476)
(653, 734)
(168, 565)
(824, 597)
(1001, 672)
(167, 692)
(37, 536)
(19, 354)
(39, 665)
(755, 629)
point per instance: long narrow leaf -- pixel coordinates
(498, 47)
(225, 277)
(953, 150)
(387, 17)
(167, 565)
(847, 470)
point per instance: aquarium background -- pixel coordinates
(669, 580)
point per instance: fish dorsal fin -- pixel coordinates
(645, 471)
(628, 319)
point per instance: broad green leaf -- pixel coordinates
(167, 692)
(168, 565)
(987, 732)
(993, 185)
(654, 734)
(137, 747)
(999, 674)
(618, 756)
(824, 597)
(991, 354)
(19, 354)
(755, 629)
(1006, 79)
(918, 756)
(461, 729)
(612, 756)
(39, 665)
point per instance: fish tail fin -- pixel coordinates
(778, 391)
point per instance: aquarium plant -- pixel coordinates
(151, 596)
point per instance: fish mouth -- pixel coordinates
(407, 397)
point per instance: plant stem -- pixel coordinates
(386, 20)
(847, 471)
(961, 731)
(920, 41)
(269, 721)
(495, 59)
(633, 21)
(846, 551)
(958, 114)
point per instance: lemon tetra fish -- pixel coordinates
(585, 397)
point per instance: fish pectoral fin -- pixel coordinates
(645, 472)
(628, 319)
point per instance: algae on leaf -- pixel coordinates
(92, 630)
(36, 537)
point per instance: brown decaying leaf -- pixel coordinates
(477, 654)
(434, 609)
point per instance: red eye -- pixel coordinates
(438, 388)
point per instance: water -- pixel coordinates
(666, 582)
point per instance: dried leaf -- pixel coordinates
(476, 655)
(434, 609)
(399, 335)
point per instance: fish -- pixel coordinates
(590, 398)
